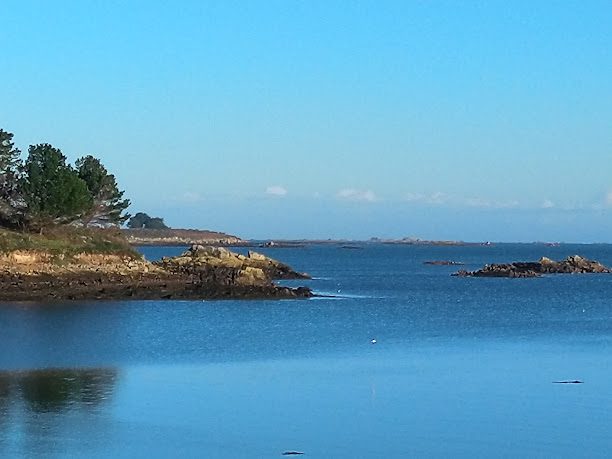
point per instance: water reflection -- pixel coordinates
(41, 409)
(56, 390)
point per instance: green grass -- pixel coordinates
(68, 241)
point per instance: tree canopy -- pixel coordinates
(107, 203)
(9, 174)
(142, 220)
(9, 155)
(46, 190)
(52, 189)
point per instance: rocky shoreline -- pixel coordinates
(199, 273)
(571, 265)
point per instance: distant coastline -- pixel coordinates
(179, 237)
(185, 237)
(294, 243)
(351, 243)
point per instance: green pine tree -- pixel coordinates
(108, 205)
(11, 205)
(52, 190)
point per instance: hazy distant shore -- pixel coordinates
(180, 237)
(187, 237)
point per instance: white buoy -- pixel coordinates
(373, 341)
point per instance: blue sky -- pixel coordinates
(480, 120)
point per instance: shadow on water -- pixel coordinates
(55, 390)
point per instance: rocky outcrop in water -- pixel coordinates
(200, 273)
(442, 263)
(252, 268)
(571, 265)
(501, 270)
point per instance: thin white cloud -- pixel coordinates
(434, 198)
(478, 202)
(276, 190)
(608, 199)
(510, 204)
(191, 197)
(415, 197)
(440, 198)
(547, 204)
(351, 194)
(491, 203)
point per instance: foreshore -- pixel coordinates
(200, 273)
(106, 286)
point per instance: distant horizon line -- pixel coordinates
(440, 242)
(382, 240)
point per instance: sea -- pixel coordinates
(396, 359)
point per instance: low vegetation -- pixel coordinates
(68, 241)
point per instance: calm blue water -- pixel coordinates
(461, 368)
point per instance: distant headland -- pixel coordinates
(180, 237)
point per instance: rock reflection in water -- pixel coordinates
(57, 389)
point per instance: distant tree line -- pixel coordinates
(142, 220)
(45, 190)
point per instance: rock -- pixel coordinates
(256, 256)
(212, 267)
(252, 276)
(208, 251)
(442, 263)
(275, 269)
(498, 270)
(199, 258)
(571, 265)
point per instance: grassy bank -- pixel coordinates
(68, 241)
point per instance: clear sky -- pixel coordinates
(474, 120)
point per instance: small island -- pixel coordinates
(60, 239)
(80, 265)
(571, 265)
(443, 263)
